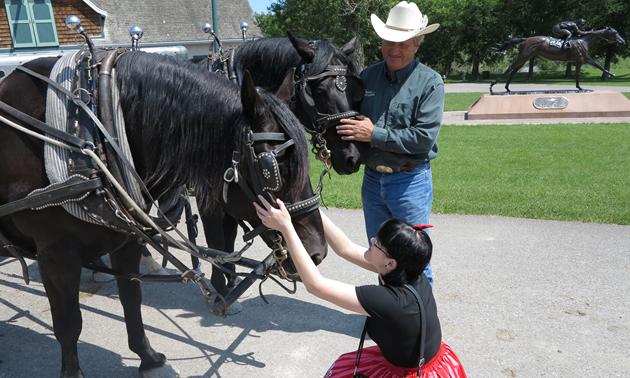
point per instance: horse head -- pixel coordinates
(329, 89)
(228, 143)
(604, 33)
(612, 36)
(275, 162)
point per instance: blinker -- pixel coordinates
(341, 83)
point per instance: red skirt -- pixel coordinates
(445, 364)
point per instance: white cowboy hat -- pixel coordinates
(405, 21)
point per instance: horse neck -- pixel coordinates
(594, 38)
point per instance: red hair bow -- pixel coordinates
(422, 226)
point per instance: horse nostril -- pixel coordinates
(352, 163)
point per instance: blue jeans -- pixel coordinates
(405, 195)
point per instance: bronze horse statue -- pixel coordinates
(554, 49)
(184, 126)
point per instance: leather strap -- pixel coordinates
(423, 327)
(422, 334)
(70, 189)
(73, 141)
(360, 350)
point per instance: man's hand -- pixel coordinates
(359, 129)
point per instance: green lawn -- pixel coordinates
(571, 172)
(459, 101)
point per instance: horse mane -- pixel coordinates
(184, 123)
(269, 59)
(324, 55)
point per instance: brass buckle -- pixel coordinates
(384, 169)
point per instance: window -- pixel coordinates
(32, 23)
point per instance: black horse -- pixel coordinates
(183, 125)
(322, 97)
(327, 87)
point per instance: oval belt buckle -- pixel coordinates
(384, 169)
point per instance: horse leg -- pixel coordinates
(593, 63)
(578, 66)
(517, 66)
(230, 228)
(220, 231)
(127, 259)
(61, 276)
(512, 69)
(498, 79)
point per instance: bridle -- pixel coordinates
(321, 121)
(264, 172)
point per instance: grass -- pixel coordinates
(459, 101)
(343, 192)
(569, 172)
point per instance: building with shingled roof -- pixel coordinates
(34, 28)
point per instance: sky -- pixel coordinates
(260, 6)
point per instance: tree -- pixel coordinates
(468, 28)
(614, 13)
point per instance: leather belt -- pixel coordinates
(386, 169)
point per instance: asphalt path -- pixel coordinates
(516, 298)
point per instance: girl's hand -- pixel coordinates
(277, 219)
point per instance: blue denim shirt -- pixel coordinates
(406, 110)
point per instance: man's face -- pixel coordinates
(398, 55)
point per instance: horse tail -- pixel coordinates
(502, 47)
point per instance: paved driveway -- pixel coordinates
(516, 298)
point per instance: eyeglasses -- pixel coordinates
(381, 248)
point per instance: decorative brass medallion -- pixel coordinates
(554, 102)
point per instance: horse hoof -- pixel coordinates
(234, 309)
(165, 371)
(153, 266)
(102, 277)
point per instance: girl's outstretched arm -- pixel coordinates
(339, 293)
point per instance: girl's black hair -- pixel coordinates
(411, 248)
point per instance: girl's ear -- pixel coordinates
(391, 265)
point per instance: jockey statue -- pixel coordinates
(568, 29)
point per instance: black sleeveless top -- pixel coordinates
(394, 321)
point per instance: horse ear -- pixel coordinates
(252, 103)
(287, 89)
(349, 47)
(306, 51)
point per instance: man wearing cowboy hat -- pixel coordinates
(401, 117)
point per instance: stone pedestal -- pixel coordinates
(550, 105)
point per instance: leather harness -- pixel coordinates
(108, 160)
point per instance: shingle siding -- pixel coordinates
(172, 21)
